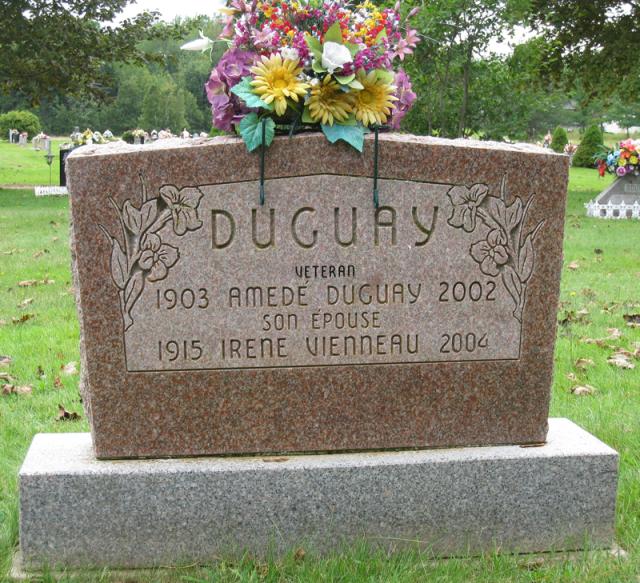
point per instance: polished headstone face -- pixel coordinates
(212, 324)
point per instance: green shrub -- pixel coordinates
(128, 136)
(23, 121)
(589, 147)
(560, 140)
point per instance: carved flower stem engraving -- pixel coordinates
(504, 251)
(141, 255)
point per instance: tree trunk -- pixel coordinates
(466, 74)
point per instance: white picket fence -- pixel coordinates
(613, 211)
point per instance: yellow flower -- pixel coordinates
(328, 103)
(374, 103)
(276, 80)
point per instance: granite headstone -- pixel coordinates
(316, 322)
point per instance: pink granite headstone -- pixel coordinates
(317, 322)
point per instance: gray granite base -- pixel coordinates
(76, 511)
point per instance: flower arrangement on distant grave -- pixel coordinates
(623, 160)
(326, 64)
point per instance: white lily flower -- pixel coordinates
(334, 56)
(204, 43)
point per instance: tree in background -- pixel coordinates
(559, 140)
(23, 121)
(590, 41)
(60, 48)
(590, 145)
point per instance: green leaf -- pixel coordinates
(344, 79)
(356, 85)
(251, 131)
(314, 46)
(334, 34)
(354, 49)
(352, 134)
(244, 91)
(382, 34)
(386, 76)
(306, 116)
(317, 66)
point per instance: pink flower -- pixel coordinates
(406, 98)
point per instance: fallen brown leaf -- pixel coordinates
(64, 415)
(3, 322)
(57, 383)
(22, 319)
(631, 318)
(27, 283)
(5, 360)
(572, 377)
(614, 333)
(40, 253)
(597, 341)
(582, 390)
(573, 266)
(47, 281)
(621, 361)
(69, 368)
(532, 564)
(14, 390)
(583, 363)
(6, 377)
(24, 303)
(300, 554)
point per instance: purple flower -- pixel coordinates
(214, 86)
(406, 98)
(492, 253)
(621, 171)
(234, 65)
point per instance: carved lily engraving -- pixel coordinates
(504, 251)
(141, 255)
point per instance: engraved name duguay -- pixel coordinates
(498, 242)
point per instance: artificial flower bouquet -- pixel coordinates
(323, 64)
(620, 161)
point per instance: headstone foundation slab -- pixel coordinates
(77, 511)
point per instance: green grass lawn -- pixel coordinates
(602, 286)
(24, 165)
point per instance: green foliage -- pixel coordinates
(23, 121)
(163, 105)
(559, 140)
(251, 131)
(589, 147)
(63, 48)
(351, 134)
(590, 41)
(245, 92)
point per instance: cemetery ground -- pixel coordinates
(24, 165)
(598, 343)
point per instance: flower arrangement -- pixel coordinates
(321, 63)
(620, 161)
